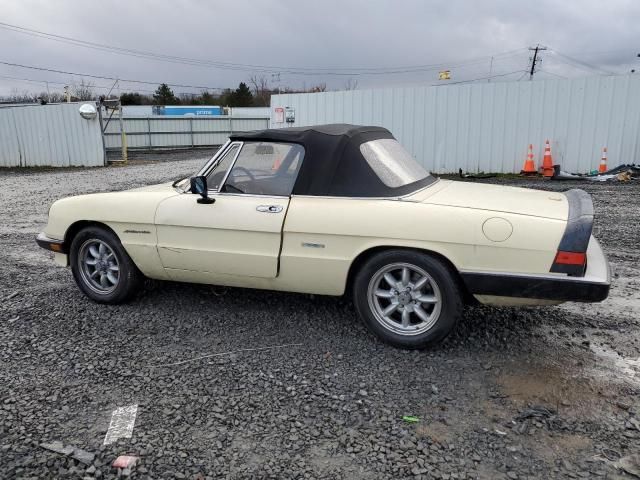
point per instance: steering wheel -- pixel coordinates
(228, 185)
(248, 173)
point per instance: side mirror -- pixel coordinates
(199, 186)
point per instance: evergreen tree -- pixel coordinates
(240, 97)
(207, 99)
(164, 96)
(134, 98)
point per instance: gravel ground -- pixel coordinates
(155, 156)
(515, 393)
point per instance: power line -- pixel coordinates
(483, 78)
(219, 64)
(55, 82)
(630, 51)
(19, 79)
(104, 77)
(105, 87)
(551, 73)
(316, 71)
(581, 63)
(582, 69)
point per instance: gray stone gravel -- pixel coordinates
(329, 408)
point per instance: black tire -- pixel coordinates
(129, 279)
(441, 316)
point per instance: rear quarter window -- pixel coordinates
(392, 163)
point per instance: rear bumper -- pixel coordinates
(592, 287)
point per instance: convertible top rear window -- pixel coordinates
(392, 163)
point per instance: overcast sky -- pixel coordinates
(595, 37)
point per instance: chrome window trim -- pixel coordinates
(233, 163)
(213, 159)
(257, 195)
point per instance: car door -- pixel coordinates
(241, 232)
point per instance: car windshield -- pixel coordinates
(392, 163)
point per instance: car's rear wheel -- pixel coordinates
(102, 268)
(407, 298)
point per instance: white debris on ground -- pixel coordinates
(122, 421)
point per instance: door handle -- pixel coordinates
(269, 208)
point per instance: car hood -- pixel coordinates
(496, 198)
(154, 188)
(137, 206)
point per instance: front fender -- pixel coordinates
(119, 208)
(129, 214)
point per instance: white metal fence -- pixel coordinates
(49, 135)
(163, 132)
(487, 127)
(250, 111)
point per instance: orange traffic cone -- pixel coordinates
(529, 167)
(547, 161)
(603, 161)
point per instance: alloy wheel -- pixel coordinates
(404, 299)
(99, 266)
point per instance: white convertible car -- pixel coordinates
(330, 210)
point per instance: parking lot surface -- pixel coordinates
(235, 383)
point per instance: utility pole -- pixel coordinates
(490, 70)
(535, 60)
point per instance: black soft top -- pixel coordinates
(333, 164)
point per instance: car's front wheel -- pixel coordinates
(407, 298)
(101, 267)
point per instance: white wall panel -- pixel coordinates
(49, 135)
(250, 111)
(488, 127)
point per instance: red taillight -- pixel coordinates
(570, 258)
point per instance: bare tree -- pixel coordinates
(188, 98)
(17, 96)
(321, 87)
(54, 97)
(351, 84)
(51, 97)
(261, 90)
(83, 91)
